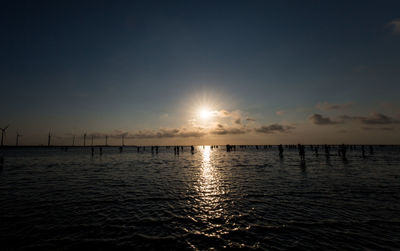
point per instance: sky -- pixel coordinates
(200, 72)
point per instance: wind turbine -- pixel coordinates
(73, 140)
(18, 136)
(84, 139)
(3, 133)
(106, 139)
(49, 139)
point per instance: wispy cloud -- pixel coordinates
(394, 25)
(274, 128)
(318, 119)
(373, 118)
(325, 106)
(224, 130)
(168, 133)
(250, 119)
(378, 128)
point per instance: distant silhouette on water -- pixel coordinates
(327, 153)
(363, 151)
(371, 150)
(343, 150)
(302, 152)
(192, 149)
(49, 139)
(17, 139)
(280, 151)
(3, 134)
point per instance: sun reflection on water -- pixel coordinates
(210, 191)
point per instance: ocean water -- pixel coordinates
(213, 199)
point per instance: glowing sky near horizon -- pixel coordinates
(206, 72)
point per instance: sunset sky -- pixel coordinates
(201, 72)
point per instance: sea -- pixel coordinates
(57, 198)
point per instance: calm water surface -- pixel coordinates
(248, 198)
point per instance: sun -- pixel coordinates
(205, 113)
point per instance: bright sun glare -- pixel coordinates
(205, 113)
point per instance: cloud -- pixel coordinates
(237, 121)
(378, 128)
(273, 128)
(223, 130)
(394, 25)
(168, 133)
(325, 106)
(250, 119)
(318, 119)
(373, 118)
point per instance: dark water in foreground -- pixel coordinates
(55, 200)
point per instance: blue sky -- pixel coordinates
(116, 67)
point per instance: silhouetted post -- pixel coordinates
(316, 151)
(343, 150)
(92, 151)
(280, 151)
(371, 150)
(192, 149)
(120, 149)
(156, 149)
(327, 151)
